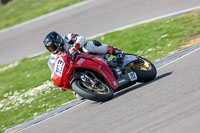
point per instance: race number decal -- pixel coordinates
(59, 65)
(132, 76)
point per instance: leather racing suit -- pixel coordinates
(94, 47)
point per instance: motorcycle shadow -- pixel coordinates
(134, 87)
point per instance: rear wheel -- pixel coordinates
(100, 92)
(145, 70)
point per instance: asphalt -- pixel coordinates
(91, 18)
(169, 104)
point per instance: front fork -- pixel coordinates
(87, 77)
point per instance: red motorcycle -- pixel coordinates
(96, 78)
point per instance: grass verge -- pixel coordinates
(22, 10)
(25, 91)
(21, 99)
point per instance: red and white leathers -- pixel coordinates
(73, 42)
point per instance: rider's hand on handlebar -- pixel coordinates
(74, 49)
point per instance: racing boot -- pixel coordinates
(115, 51)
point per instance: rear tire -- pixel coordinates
(146, 75)
(88, 94)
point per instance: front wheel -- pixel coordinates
(100, 93)
(145, 70)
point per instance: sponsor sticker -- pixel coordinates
(80, 61)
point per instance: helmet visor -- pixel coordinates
(52, 48)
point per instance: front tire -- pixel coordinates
(81, 89)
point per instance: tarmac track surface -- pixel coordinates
(91, 18)
(169, 104)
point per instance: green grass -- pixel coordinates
(29, 73)
(21, 10)
(152, 40)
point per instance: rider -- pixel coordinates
(71, 43)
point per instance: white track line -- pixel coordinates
(51, 116)
(178, 58)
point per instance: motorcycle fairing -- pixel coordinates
(59, 70)
(97, 63)
(64, 67)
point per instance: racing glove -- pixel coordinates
(74, 49)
